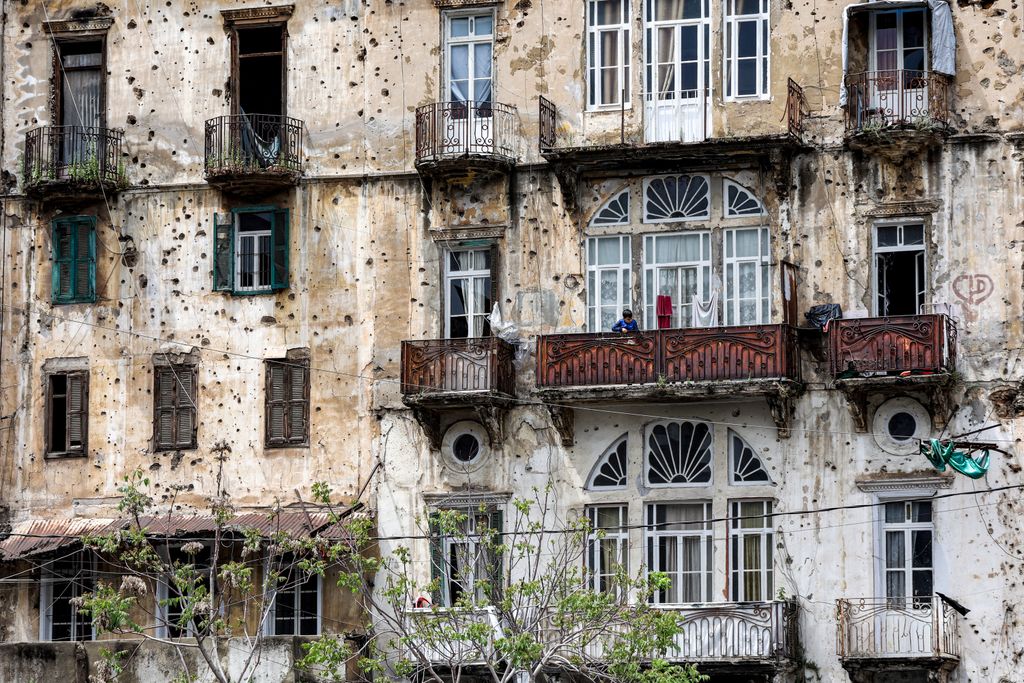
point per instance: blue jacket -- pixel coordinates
(628, 327)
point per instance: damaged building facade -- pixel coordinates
(250, 246)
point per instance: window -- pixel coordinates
(464, 560)
(739, 201)
(899, 48)
(470, 293)
(608, 280)
(746, 48)
(679, 543)
(614, 212)
(610, 471)
(678, 453)
(607, 545)
(178, 591)
(907, 556)
(751, 537)
(747, 273)
(251, 251)
(745, 466)
(260, 71)
(63, 580)
(296, 595)
(469, 44)
(677, 273)
(74, 260)
(676, 198)
(900, 275)
(67, 413)
(287, 403)
(608, 50)
(79, 98)
(175, 407)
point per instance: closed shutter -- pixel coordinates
(223, 252)
(63, 258)
(164, 408)
(297, 404)
(85, 261)
(287, 403)
(438, 575)
(279, 239)
(495, 562)
(77, 411)
(185, 422)
(275, 404)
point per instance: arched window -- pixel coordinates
(678, 453)
(745, 467)
(614, 212)
(676, 198)
(739, 201)
(610, 470)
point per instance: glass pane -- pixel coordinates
(922, 549)
(921, 511)
(895, 584)
(457, 297)
(483, 25)
(894, 513)
(746, 39)
(608, 11)
(922, 583)
(608, 251)
(746, 77)
(459, 27)
(913, 234)
(913, 29)
(895, 555)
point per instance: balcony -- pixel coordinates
(68, 164)
(436, 643)
(252, 154)
(897, 109)
(458, 138)
(897, 635)
(452, 374)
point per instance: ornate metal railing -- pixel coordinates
(248, 144)
(796, 108)
(73, 154)
(679, 355)
(916, 343)
(897, 627)
(452, 130)
(897, 97)
(458, 365)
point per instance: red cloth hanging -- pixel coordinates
(664, 311)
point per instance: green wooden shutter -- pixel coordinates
(223, 252)
(438, 575)
(62, 247)
(77, 411)
(496, 561)
(275, 404)
(85, 261)
(279, 242)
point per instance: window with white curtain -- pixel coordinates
(468, 293)
(677, 270)
(607, 545)
(907, 535)
(747, 47)
(608, 280)
(751, 535)
(679, 543)
(469, 48)
(747, 277)
(608, 51)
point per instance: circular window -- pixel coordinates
(899, 424)
(465, 445)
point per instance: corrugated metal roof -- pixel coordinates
(37, 536)
(295, 524)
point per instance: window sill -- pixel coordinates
(254, 292)
(608, 109)
(70, 455)
(743, 99)
(173, 449)
(286, 446)
(73, 302)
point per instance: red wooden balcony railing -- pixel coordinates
(917, 343)
(682, 355)
(436, 366)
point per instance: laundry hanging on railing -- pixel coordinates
(663, 310)
(942, 454)
(705, 314)
(265, 152)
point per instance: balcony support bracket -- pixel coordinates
(564, 420)
(935, 391)
(781, 407)
(430, 423)
(492, 417)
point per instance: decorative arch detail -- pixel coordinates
(678, 453)
(610, 470)
(745, 465)
(739, 201)
(676, 198)
(615, 211)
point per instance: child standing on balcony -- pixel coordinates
(626, 323)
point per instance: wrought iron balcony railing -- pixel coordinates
(253, 145)
(447, 131)
(870, 628)
(914, 343)
(440, 366)
(899, 98)
(84, 157)
(665, 356)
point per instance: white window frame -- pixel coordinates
(623, 271)
(765, 535)
(163, 590)
(882, 527)
(471, 276)
(258, 274)
(704, 275)
(901, 246)
(731, 277)
(470, 40)
(645, 186)
(469, 537)
(598, 537)
(270, 625)
(706, 536)
(595, 94)
(730, 35)
(46, 583)
(900, 14)
(731, 453)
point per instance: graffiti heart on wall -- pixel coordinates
(972, 290)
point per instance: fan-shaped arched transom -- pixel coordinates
(676, 198)
(610, 470)
(614, 212)
(745, 466)
(739, 201)
(678, 453)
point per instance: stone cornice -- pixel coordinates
(465, 498)
(907, 208)
(79, 25)
(476, 233)
(232, 16)
(447, 4)
(905, 482)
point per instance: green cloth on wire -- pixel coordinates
(941, 455)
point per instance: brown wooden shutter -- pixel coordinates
(77, 411)
(164, 402)
(297, 404)
(275, 404)
(186, 417)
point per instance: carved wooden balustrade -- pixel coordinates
(679, 355)
(897, 627)
(916, 343)
(438, 366)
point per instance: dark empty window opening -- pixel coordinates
(466, 448)
(63, 581)
(900, 275)
(67, 413)
(260, 70)
(902, 426)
